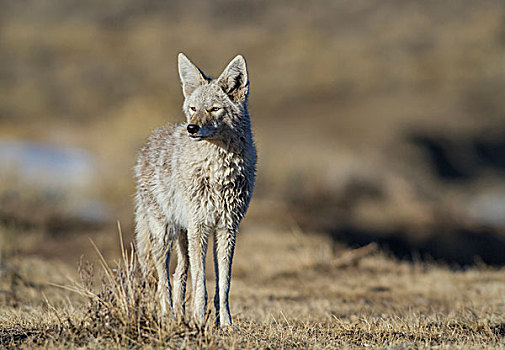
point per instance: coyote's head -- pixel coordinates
(214, 107)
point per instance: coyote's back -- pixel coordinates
(195, 181)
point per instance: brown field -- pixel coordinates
(378, 219)
(289, 290)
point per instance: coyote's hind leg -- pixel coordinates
(161, 245)
(180, 274)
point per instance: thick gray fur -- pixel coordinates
(194, 186)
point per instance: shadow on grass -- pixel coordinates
(457, 247)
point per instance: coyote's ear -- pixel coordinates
(234, 80)
(191, 76)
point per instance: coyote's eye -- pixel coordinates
(193, 108)
(215, 109)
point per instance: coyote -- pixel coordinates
(194, 181)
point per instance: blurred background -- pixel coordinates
(374, 121)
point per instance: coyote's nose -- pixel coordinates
(193, 128)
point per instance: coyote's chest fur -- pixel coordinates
(216, 183)
(183, 178)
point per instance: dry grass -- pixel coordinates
(289, 291)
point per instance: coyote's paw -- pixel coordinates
(230, 329)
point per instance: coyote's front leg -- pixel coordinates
(197, 248)
(223, 256)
